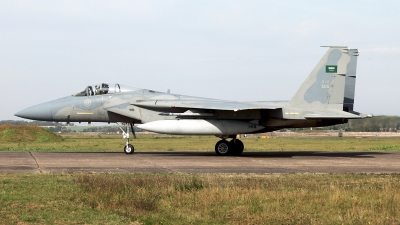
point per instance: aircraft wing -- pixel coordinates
(216, 105)
(337, 114)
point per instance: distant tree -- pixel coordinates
(39, 123)
(374, 124)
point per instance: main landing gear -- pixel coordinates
(128, 148)
(234, 147)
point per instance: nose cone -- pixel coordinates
(37, 112)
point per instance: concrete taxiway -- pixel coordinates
(200, 162)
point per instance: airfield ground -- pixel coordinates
(281, 162)
(87, 179)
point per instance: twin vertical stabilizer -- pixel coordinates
(331, 83)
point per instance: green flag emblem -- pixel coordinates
(331, 69)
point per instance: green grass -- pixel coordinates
(386, 147)
(199, 199)
(27, 133)
(47, 199)
(106, 142)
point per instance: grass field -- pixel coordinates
(84, 142)
(85, 198)
(199, 199)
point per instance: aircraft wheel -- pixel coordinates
(129, 149)
(223, 147)
(238, 147)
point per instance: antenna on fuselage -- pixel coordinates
(168, 91)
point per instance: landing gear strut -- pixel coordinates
(234, 147)
(128, 148)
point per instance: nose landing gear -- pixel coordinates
(234, 147)
(128, 148)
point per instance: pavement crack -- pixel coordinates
(166, 168)
(37, 164)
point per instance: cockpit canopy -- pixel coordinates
(104, 88)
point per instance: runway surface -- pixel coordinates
(200, 162)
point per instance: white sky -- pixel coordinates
(233, 50)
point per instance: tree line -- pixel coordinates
(374, 124)
(66, 128)
(39, 123)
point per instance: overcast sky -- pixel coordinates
(232, 50)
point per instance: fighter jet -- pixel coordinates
(325, 98)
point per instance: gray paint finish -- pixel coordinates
(315, 92)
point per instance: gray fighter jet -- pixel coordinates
(325, 98)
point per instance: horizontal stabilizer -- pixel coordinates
(337, 114)
(216, 105)
(362, 114)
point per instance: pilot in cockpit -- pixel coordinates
(98, 90)
(90, 91)
(104, 88)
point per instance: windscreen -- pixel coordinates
(105, 88)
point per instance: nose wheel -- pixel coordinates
(234, 147)
(128, 148)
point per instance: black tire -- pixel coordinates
(223, 148)
(129, 150)
(237, 148)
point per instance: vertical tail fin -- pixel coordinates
(329, 84)
(349, 91)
